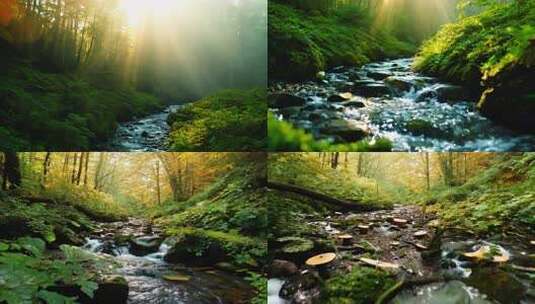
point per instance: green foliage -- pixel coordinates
(260, 284)
(20, 218)
(231, 120)
(236, 202)
(312, 42)
(46, 111)
(482, 46)
(499, 197)
(361, 286)
(26, 272)
(287, 214)
(285, 137)
(294, 244)
(95, 204)
(232, 214)
(245, 251)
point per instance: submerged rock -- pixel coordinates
(348, 130)
(371, 90)
(145, 245)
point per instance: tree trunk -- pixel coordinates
(12, 174)
(342, 204)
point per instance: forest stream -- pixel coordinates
(148, 134)
(389, 100)
(151, 279)
(447, 277)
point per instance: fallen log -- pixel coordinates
(342, 204)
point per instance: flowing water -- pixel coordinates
(144, 135)
(144, 273)
(417, 113)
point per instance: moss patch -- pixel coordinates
(232, 120)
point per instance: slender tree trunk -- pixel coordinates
(46, 165)
(12, 173)
(73, 173)
(427, 173)
(158, 182)
(80, 168)
(85, 166)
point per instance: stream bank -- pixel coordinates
(389, 100)
(409, 245)
(139, 250)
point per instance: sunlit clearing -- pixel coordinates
(425, 14)
(136, 10)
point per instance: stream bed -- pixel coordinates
(144, 272)
(148, 134)
(389, 100)
(454, 278)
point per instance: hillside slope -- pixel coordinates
(494, 53)
(303, 43)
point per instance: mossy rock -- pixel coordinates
(296, 244)
(361, 286)
(422, 127)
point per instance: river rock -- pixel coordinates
(340, 97)
(145, 245)
(443, 93)
(282, 269)
(517, 112)
(354, 104)
(111, 290)
(378, 75)
(497, 284)
(398, 84)
(348, 130)
(371, 90)
(285, 101)
(196, 251)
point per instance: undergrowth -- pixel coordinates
(500, 197)
(231, 120)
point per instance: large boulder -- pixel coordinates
(196, 250)
(111, 290)
(398, 84)
(285, 101)
(348, 130)
(514, 111)
(443, 93)
(145, 245)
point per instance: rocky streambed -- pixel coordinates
(388, 100)
(148, 134)
(139, 250)
(436, 266)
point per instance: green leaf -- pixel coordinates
(49, 236)
(34, 246)
(54, 298)
(88, 288)
(3, 246)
